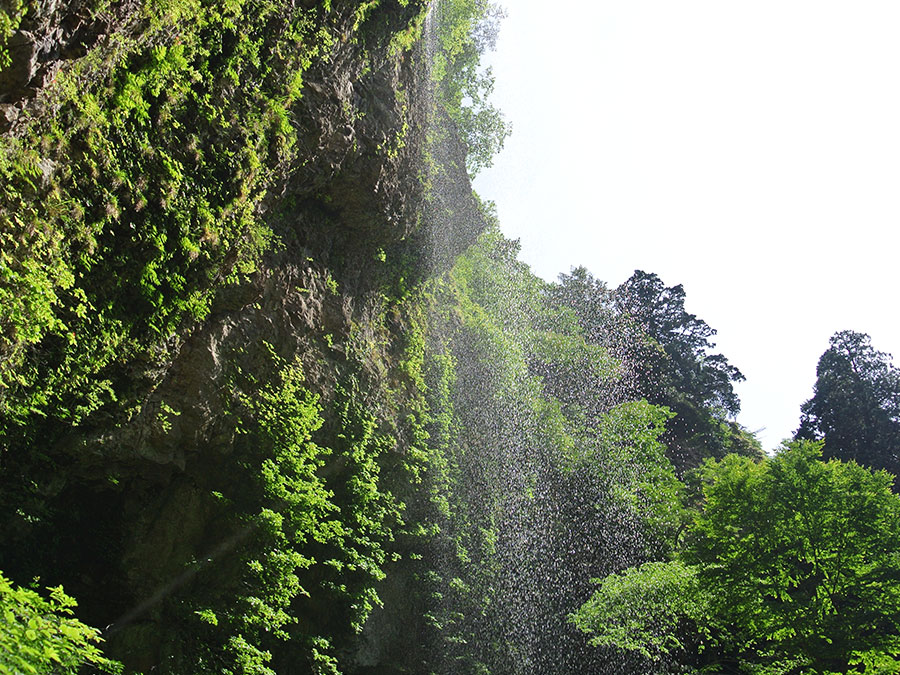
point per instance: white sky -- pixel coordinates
(748, 150)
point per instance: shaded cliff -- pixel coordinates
(275, 394)
(213, 220)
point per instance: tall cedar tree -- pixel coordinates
(856, 405)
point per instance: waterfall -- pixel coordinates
(526, 501)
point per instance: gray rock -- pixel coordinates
(9, 113)
(23, 53)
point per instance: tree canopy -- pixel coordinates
(665, 356)
(685, 363)
(466, 30)
(789, 565)
(855, 408)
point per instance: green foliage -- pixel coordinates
(856, 405)
(643, 609)
(123, 215)
(10, 17)
(663, 355)
(457, 516)
(802, 555)
(404, 40)
(643, 479)
(686, 366)
(127, 209)
(125, 212)
(464, 30)
(509, 446)
(41, 635)
(295, 505)
(316, 523)
(277, 509)
(789, 565)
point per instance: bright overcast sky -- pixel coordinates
(748, 150)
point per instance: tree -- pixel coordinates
(856, 405)
(664, 358)
(684, 364)
(796, 568)
(466, 29)
(601, 322)
(643, 609)
(679, 372)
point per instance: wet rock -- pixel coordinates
(52, 32)
(23, 52)
(9, 113)
(356, 192)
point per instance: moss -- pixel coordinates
(147, 181)
(125, 212)
(10, 18)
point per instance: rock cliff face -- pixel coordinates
(136, 505)
(48, 35)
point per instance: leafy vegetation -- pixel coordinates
(127, 208)
(11, 16)
(41, 635)
(664, 351)
(465, 30)
(643, 608)
(518, 475)
(684, 364)
(308, 541)
(248, 452)
(855, 409)
(125, 213)
(788, 565)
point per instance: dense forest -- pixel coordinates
(278, 396)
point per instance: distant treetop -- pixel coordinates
(855, 407)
